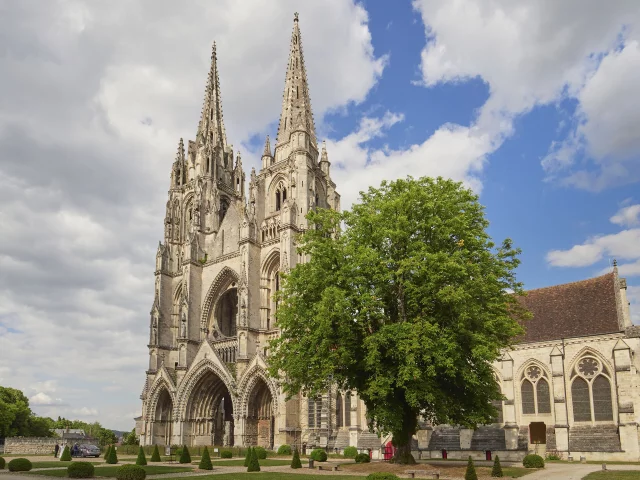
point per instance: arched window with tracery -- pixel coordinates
(280, 196)
(591, 391)
(339, 413)
(535, 391)
(498, 404)
(313, 412)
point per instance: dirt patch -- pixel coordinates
(448, 472)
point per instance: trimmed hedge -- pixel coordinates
(20, 465)
(319, 455)
(470, 474)
(382, 476)
(295, 462)
(131, 472)
(80, 470)
(66, 455)
(362, 458)
(142, 459)
(2, 463)
(284, 449)
(261, 453)
(184, 455)
(496, 471)
(533, 461)
(350, 452)
(112, 459)
(155, 457)
(254, 465)
(247, 459)
(106, 453)
(205, 460)
(226, 454)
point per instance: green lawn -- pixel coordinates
(240, 462)
(58, 463)
(614, 475)
(272, 476)
(515, 472)
(110, 471)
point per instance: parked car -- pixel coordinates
(89, 451)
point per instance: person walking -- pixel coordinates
(56, 449)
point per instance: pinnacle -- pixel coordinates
(267, 148)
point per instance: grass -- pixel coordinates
(614, 475)
(111, 471)
(516, 472)
(271, 476)
(240, 463)
(58, 463)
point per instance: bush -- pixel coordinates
(382, 476)
(80, 470)
(247, 458)
(2, 463)
(295, 462)
(284, 450)
(226, 454)
(254, 465)
(205, 460)
(553, 456)
(112, 459)
(260, 452)
(350, 452)
(106, 454)
(20, 465)
(66, 455)
(496, 471)
(533, 461)
(184, 455)
(155, 457)
(319, 455)
(362, 458)
(470, 474)
(131, 472)
(142, 459)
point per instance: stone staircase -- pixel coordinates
(445, 438)
(488, 438)
(599, 438)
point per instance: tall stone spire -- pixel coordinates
(211, 127)
(296, 104)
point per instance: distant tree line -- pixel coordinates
(18, 420)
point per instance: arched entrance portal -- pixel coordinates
(162, 419)
(209, 413)
(260, 418)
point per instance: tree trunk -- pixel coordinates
(402, 439)
(403, 455)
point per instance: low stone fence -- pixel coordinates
(30, 445)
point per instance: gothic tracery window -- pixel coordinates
(535, 391)
(591, 391)
(339, 413)
(313, 412)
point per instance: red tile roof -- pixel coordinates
(587, 307)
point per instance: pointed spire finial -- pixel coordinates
(615, 263)
(211, 126)
(180, 153)
(295, 17)
(267, 148)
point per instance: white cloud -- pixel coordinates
(538, 52)
(85, 412)
(42, 399)
(628, 216)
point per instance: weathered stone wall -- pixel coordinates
(30, 445)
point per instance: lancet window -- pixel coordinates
(535, 391)
(591, 391)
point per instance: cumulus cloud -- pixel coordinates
(95, 97)
(533, 53)
(44, 400)
(628, 216)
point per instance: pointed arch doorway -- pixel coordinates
(260, 422)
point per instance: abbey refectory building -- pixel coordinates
(571, 383)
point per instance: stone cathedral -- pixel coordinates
(570, 385)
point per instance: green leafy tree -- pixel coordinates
(155, 456)
(66, 455)
(142, 459)
(496, 471)
(113, 455)
(470, 474)
(295, 462)
(409, 305)
(205, 461)
(254, 464)
(247, 458)
(131, 438)
(184, 455)
(106, 437)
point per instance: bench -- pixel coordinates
(333, 468)
(413, 473)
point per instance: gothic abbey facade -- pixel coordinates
(570, 384)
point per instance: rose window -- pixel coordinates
(588, 367)
(534, 373)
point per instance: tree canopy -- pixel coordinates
(17, 419)
(409, 304)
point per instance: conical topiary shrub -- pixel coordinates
(254, 465)
(112, 459)
(184, 456)
(470, 474)
(142, 459)
(155, 456)
(295, 462)
(205, 461)
(247, 459)
(496, 471)
(106, 453)
(66, 455)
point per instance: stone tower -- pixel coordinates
(217, 271)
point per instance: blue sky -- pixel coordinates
(533, 104)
